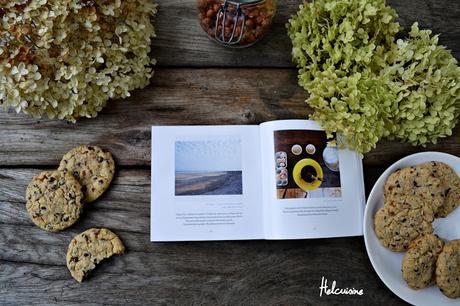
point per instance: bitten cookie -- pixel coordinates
(448, 269)
(92, 166)
(89, 248)
(397, 231)
(54, 200)
(451, 185)
(419, 263)
(414, 187)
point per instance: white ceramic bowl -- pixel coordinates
(386, 263)
(296, 149)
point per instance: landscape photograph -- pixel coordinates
(208, 167)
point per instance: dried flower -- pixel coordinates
(66, 59)
(335, 45)
(425, 78)
(365, 85)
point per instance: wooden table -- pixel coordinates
(196, 82)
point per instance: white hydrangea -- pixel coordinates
(66, 59)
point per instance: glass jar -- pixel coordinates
(236, 23)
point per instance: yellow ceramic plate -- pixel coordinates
(296, 173)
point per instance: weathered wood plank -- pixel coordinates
(125, 206)
(177, 96)
(32, 267)
(32, 263)
(211, 273)
(181, 42)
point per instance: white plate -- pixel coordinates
(386, 263)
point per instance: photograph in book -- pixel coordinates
(208, 167)
(306, 165)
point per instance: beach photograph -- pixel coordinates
(208, 167)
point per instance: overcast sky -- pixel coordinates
(208, 156)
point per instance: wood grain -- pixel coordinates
(32, 262)
(211, 273)
(182, 43)
(177, 96)
(197, 82)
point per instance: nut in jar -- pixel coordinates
(236, 23)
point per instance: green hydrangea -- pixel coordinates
(339, 34)
(335, 45)
(366, 86)
(355, 105)
(426, 80)
(66, 59)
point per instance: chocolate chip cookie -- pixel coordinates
(89, 248)
(396, 231)
(414, 187)
(92, 166)
(419, 263)
(448, 269)
(451, 185)
(54, 200)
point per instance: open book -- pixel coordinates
(278, 180)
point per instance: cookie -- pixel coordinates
(89, 248)
(448, 269)
(397, 231)
(419, 263)
(92, 166)
(451, 185)
(54, 200)
(414, 187)
(410, 202)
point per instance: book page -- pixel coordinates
(206, 183)
(311, 189)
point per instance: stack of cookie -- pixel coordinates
(413, 198)
(55, 201)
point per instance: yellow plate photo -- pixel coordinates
(297, 174)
